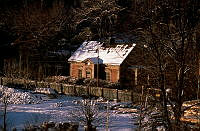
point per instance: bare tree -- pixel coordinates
(37, 26)
(89, 114)
(34, 26)
(169, 35)
(4, 110)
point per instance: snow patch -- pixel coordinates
(48, 91)
(14, 96)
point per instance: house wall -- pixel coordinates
(75, 66)
(132, 72)
(126, 77)
(114, 72)
(112, 69)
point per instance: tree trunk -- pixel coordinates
(5, 115)
(165, 112)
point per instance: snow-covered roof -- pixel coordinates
(107, 55)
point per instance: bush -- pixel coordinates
(82, 81)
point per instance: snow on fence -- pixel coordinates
(75, 90)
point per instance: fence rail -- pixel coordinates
(76, 90)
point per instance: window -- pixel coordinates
(79, 73)
(108, 75)
(88, 73)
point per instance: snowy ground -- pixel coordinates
(58, 110)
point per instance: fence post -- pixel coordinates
(1, 81)
(36, 85)
(132, 96)
(25, 84)
(124, 94)
(61, 88)
(102, 92)
(88, 91)
(74, 90)
(12, 81)
(117, 95)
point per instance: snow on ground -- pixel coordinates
(120, 122)
(14, 96)
(23, 114)
(57, 110)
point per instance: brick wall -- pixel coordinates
(113, 69)
(76, 66)
(114, 72)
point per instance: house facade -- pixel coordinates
(94, 59)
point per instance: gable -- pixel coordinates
(93, 60)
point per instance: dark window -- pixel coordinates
(88, 73)
(79, 73)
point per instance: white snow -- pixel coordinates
(110, 55)
(57, 110)
(14, 96)
(49, 91)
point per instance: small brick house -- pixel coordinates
(93, 58)
(126, 63)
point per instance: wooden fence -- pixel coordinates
(76, 90)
